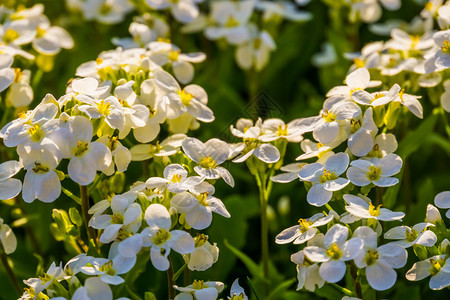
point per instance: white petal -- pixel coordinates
(10, 188)
(157, 216)
(337, 163)
(332, 270)
(357, 176)
(380, 276)
(184, 243)
(316, 254)
(318, 196)
(442, 200)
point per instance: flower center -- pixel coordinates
(10, 36)
(282, 130)
(108, 268)
(355, 125)
(200, 240)
(374, 173)
(414, 40)
(40, 169)
(371, 257)
(359, 62)
(105, 9)
(202, 199)
(36, 133)
(176, 178)
(436, 265)
(411, 235)
(40, 32)
(446, 47)
(161, 236)
(117, 218)
(327, 176)
(334, 252)
(304, 224)
(374, 211)
(185, 97)
(199, 285)
(81, 148)
(207, 162)
(328, 116)
(232, 22)
(173, 55)
(103, 107)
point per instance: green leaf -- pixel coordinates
(253, 267)
(149, 296)
(278, 292)
(75, 216)
(414, 139)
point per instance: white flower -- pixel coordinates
(362, 132)
(199, 208)
(281, 9)
(190, 99)
(161, 240)
(209, 156)
(106, 11)
(327, 125)
(7, 238)
(361, 208)
(50, 39)
(255, 53)
(407, 236)
(307, 272)
(336, 250)
(175, 179)
(231, 18)
(94, 289)
(121, 154)
(163, 53)
(325, 178)
(356, 80)
(20, 92)
(251, 144)
(384, 144)
(379, 262)
(9, 187)
(201, 290)
(167, 147)
(237, 292)
(291, 173)
(313, 149)
(411, 102)
(110, 109)
(273, 129)
(439, 59)
(377, 171)
(41, 180)
(438, 267)
(87, 157)
(203, 256)
(442, 200)
(433, 215)
(109, 269)
(306, 229)
(124, 213)
(184, 11)
(40, 284)
(376, 99)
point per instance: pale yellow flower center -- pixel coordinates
(103, 107)
(36, 133)
(10, 36)
(81, 148)
(374, 211)
(207, 162)
(334, 252)
(328, 116)
(161, 236)
(40, 168)
(327, 176)
(374, 173)
(371, 257)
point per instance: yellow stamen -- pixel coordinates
(185, 97)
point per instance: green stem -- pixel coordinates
(356, 283)
(444, 118)
(263, 199)
(179, 272)
(85, 208)
(96, 182)
(342, 289)
(170, 280)
(71, 195)
(10, 273)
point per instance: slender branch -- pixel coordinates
(85, 208)
(263, 198)
(356, 283)
(170, 281)
(342, 289)
(10, 272)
